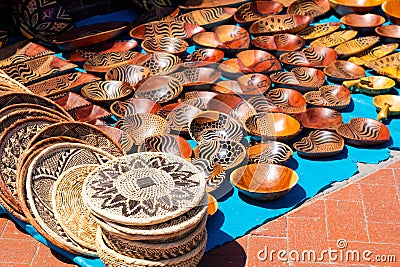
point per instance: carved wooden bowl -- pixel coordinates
(288, 100)
(171, 45)
(314, 56)
(214, 173)
(195, 4)
(330, 96)
(319, 144)
(391, 8)
(273, 126)
(133, 106)
(246, 85)
(372, 85)
(356, 46)
(270, 152)
(211, 125)
(320, 118)
(364, 132)
(175, 29)
(178, 116)
(362, 23)
(229, 38)
(227, 153)
(389, 33)
(198, 99)
(102, 63)
(130, 74)
(262, 104)
(197, 76)
(160, 89)
(160, 63)
(253, 11)
(203, 57)
(250, 61)
(301, 78)
(279, 43)
(264, 181)
(319, 30)
(312, 8)
(387, 105)
(334, 39)
(344, 7)
(208, 17)
(106, 91)
(342, 70)
(167, 143)
(280, 24)
(381, 64)
(212, 205)
(374, 53)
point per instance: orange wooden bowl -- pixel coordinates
(342, 70)
(330, 96)
(279, 43)
(175, 29)
(270, 152)
(134, 106)
(203, 57)
(312, 8)
(245, 86)
(167, 143)
(280, 24)
(344, 7)
(392, 9)
(314, 56)
(320, 118)
(319, 144)
(160, 89)
(253, 11)
(288, 100)
(130, 74)
(171, 45)
(389, 33)
(362, 23)
(303, 79)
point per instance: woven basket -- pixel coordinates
(111, 258)
(33, 107)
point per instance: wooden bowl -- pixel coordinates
(280, 24)
(389, 33)
(344, 7)
(342, 70)
(106, 91)
(279, 43)
(89, 34)
(388, 105)
(334, 39)
(212, 205)
(203, 57)
(262, 104)
(314, 56)
(167, 143)
(264, 181)
(134, 106)
(373, 85)
(320, 118)
(227, 153)
(229, 38)
(374, 53)
(102, 63)
(160, 89)
(330, 96)
(362, 23)
(130, 74)
(312, 8)
(273, 126)
(301, 78)
(175, 29)
(391, 8)
(178, 116)
(160, 63)
(320, 144)
(197, 76)
(392, 60)
(288, 100)
(356, 46)
(198, 99)
(171, 45)
(211, 125)
(209, 17)
(195, 4)
(253, 11)
(270, 152)
(319, 30)
(250, 61)
(364, 132)
(245, 85)
(214, 173)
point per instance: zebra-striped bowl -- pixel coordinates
(106, 91)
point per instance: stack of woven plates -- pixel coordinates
(151, 209)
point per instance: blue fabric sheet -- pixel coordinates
(237, 215)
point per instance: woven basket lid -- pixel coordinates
(34, 107)
(42, 173)
(68, 208)
(83, 131)
(144, 188)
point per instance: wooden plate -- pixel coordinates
(320, 144)
(160, 89)
(334, 39)
(104, 62)
(174, 29)
(320, 118)
(312, 8)
(314, 56)
(391, 9)
(280, 24)
(253, 11)
(301, 78)
(288, 100)
(319, 30)
(373, 54)
(175, 46)
(356, 46)
(208, 17)
(331, 96)
(160, 63)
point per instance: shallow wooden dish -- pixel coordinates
(102, 63)
(314, 56)
(392, 60)
(342, 70)
(195, 4)
(279, 43)
(364, 132)
(312, 8)
(373, 54)
(288, 100)
(344, 7)
(175, 29)
(330, 96)
(178, 116)
(171, 45)
(334, 39)
(319, 144)
(362, 23)
(197, 76)
(270, 152)
(262, 104)
(320, 118)
(208, 17)
(226, 37)
(373, 85)
(355, 46)
(273, 126)
(280, 24)
(203, 57)
(160, 89)
(389, 33)
(197, 99)
(20, 52)
(264, 181)
(388, 105)
(133, 106)
(250, 61)
(246, 85)
(88, 35)
(72, 101)
(130, 74)
(319, 30)
(253, 11)
(213, 172)
(391, 8)
(167, 143)
(302, 78)
(160, 63)
(106, 91)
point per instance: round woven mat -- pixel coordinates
(26, 106)
(144, 188)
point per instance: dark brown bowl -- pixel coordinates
(344, 7)
(174, 29)
(312, 8)
(280, 24)
(208, 17)
(302, 78)
(391, 8)
(160, 63)
(197, 76)
(288, 100)
(226, 37)
(253, 11)
(363, 23)
(89, 34)
(314, 56)
(203, 57)
(279, 43)
(245, 86)
(264, 181)
(270, 152)
(320, 118)
(330, 96)
(160, 89)
(102, 63)
(167, 143)
(364, 132)
(342, 70)
(171, 45)
(106, 91)
(389, 33)
(130, 74)
(134, 106)
(319, 144)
